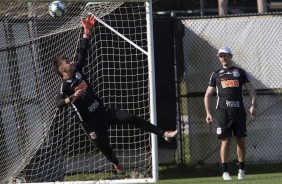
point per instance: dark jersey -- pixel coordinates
(229, 83)
(84, 106)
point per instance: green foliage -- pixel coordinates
(186, 150)
(183, 92)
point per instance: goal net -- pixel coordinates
(40, 143)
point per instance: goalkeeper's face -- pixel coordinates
(67, 67)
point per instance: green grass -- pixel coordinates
(256, 173)
(202, 174)
(274, 178)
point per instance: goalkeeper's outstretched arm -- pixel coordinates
(88, 25)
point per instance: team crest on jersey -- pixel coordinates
(236, 73)
(77, 75)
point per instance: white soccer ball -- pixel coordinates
(57, 9)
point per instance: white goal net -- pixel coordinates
(40, 143)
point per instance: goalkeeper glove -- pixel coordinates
(88, 24)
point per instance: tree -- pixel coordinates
(262, 6)
(222, 7)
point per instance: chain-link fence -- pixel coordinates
(256, 43)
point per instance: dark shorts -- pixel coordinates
(103, 118)
(231, 122)
(96, 128)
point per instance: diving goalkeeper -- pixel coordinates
(93, 115)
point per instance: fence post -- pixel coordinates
(178, 113)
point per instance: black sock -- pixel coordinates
(113, 158)
(242, 165)
(224, 167)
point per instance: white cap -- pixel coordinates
(224, 50)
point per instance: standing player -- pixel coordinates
(94, 116)
(231, 114)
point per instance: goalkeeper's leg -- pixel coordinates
(97, 132)
(122, 117)
(103, 143)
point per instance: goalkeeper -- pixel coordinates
(93, 115)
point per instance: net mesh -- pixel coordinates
(40, 143)
(255, 41)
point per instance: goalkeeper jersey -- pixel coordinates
(84, 106)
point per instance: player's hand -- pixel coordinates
(80, 93)
(253, 111)
(209, 119)
(88, 24)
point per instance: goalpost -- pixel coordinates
(42, 144)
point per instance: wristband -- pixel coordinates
(71, 98)
(87, 31)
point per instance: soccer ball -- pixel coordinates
(57, 9)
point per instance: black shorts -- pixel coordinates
(100, 121)
(231, 122)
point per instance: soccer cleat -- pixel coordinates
(120, 168)
(226, 176)
(241, 174)
(169, 135)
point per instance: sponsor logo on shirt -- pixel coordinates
(93, 106)
(232, 103)
(227, 73)
(61, 89)
(81, 86)
(229, 83)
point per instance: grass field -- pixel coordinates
(274, 178)
(256, 173)
(202, 174)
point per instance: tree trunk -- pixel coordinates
(262, 6)
(222, 7)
